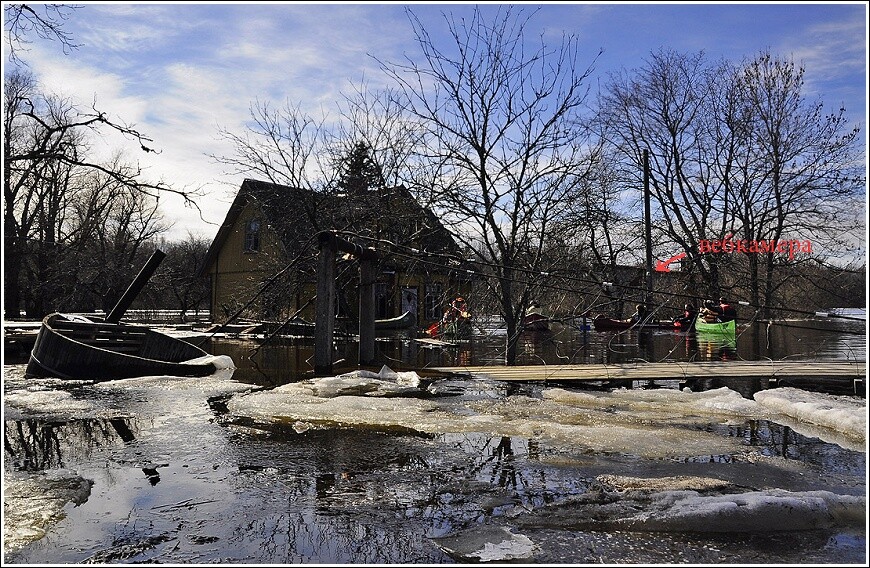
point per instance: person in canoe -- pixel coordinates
(687, 319)
(727, 312)
(456, 320)
(710, 312)
(535, 320)
(639, 314)
(722, 312)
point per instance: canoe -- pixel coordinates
(77, 347)
(687, 327)
(536, 322)
(706, 327)
(404, 321)
(603, 323)
(298, 327)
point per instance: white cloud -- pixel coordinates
(179, 72)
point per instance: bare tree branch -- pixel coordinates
(44, 20)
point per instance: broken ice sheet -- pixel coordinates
(487, 544)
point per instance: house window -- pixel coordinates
(252, 235)
(433, 299)
(382, 300)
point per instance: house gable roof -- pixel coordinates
(297, 215)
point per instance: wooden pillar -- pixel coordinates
(325, 309)
(325, 306)
(366, 310)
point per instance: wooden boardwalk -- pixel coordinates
(770, 370)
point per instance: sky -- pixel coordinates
(181, 72)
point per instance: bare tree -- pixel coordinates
(45, 153)
(282, 145)
(504, 142)
(801, 167)
(21, 21)
(46, 163)
(176, 284)
(611, 232)
(88, 243)
(662, 108)
(739, 158)
(375, 119)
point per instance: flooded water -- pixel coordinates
(261, 465)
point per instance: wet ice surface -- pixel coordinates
(380, 469)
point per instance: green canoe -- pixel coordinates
(703, 326)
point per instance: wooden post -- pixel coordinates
(325, 309)
(648, 227)
(136, 286)
(366, 310)
(325, 306)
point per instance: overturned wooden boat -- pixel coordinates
(77, 347)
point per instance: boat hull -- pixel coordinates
(536, 322)
(723, 328)
(96, 350)
(601, 323)
(404, 321)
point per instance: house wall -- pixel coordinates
(237, 274)
(450, 289)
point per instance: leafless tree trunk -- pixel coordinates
(803, 168)
(662, 108)
(503, 143)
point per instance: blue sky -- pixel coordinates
(180, 72)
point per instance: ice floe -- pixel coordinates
(650, 423)
(754, 511)
(356, 400)
(219, 382)
(487, 544)
(34, 502)
(717, 401)
(697, 504)
(844, 414)
(41, 402)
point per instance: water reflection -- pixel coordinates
(281, 360)
(34, 445)
(243, 492)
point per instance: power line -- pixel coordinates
(425, 257)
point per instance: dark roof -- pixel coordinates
(297, 215)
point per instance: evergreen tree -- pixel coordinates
(359, 172)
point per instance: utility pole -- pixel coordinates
(647, 225)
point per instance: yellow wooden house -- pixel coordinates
(262, 261)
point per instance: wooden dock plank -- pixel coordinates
(664, 371)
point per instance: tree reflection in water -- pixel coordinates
(35, 445)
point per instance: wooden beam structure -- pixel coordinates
(136, 286)
(324, 311)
